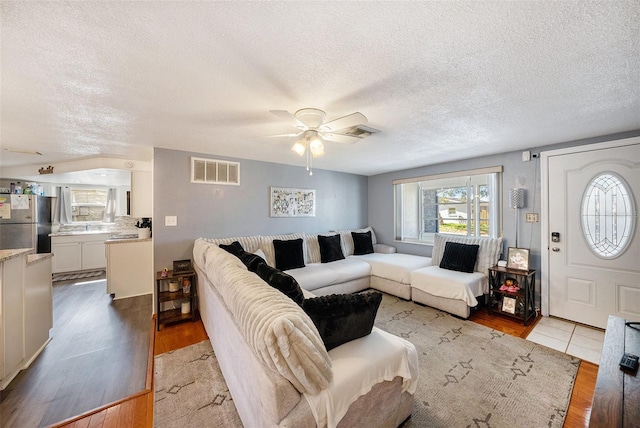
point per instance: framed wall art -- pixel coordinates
(518, 258)
(285, 202)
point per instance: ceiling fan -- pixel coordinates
(313, 130)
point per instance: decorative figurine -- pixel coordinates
(165, 273)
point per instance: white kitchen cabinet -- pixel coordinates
(67, 256)
(12, 326)
(79, 252)
(38, 305)
(141, 194)
(94, 255)
(26, 310)
(130, 267)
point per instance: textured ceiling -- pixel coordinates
(441, 80)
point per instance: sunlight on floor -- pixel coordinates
(573, 339)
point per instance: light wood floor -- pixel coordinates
(139, 411)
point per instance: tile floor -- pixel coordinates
(570, 338)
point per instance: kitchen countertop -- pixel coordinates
(80, 233)
(120, 241)
(35, 258)
(9, 254)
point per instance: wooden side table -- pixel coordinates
(179, 303)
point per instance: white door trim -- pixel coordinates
(544, 207)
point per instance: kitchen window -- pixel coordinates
(88, 204)
(460, 203)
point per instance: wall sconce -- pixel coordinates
(516, 201)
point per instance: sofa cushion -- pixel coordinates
(341, 318)
(319, 275)
(289, 254)
(362, 243)
(269, 250)
(330, 249)
(281, 281)
(488, 253)
(450, 284)
(234, 248)
(250, 260)
(249, 243)
(395, 267)
(460, 257)
(347, 239)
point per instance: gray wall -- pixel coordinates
(516, 174)
(206, 210)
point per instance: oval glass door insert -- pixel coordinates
(607, 215)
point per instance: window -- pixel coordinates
(607, 215)
(461, 203)
(88, 204)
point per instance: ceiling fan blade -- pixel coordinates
(288, 117)
(286, 135)
(340, 138)
(347, 121)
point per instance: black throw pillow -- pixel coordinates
(362, 243)
(460, 257)
(289, 254)
(234, 248)
(251, 261)
(330, 249)
(341, 318)
(281, 281)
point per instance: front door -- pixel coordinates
(594, 238)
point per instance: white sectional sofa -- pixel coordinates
(275, 364)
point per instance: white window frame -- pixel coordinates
(494, 182)
(87, 204)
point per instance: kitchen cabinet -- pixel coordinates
(141, 194)
(26, 309)
(79, 252)
(129, 267)
(12, 331)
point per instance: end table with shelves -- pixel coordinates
(511, 293)
(176, 303)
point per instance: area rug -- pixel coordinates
(81, 275)
(190, 390)
(470, 376)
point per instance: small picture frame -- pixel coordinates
(518, 258)
(181, 266)
(509, 305)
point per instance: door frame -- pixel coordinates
(544, 206)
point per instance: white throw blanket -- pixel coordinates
(278, 331)
(355, 373)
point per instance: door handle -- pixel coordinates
(555, 249)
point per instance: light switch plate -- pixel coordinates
(532, 217)
(170, 220)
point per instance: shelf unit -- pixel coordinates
(164, 297)
(524, 299)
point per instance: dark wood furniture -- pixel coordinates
(169, 303)
(616, 402)
(523, 300)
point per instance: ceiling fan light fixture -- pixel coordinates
(299, 148)
(316, 147)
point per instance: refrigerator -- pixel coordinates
(25, 222)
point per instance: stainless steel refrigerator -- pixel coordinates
(25, 222)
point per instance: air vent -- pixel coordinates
(214, 171)
(360, 131)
